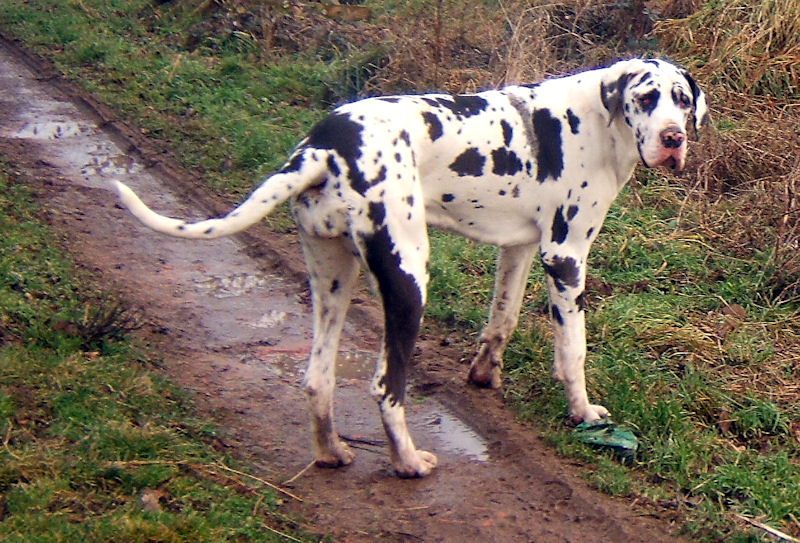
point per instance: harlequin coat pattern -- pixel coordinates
(531, 169)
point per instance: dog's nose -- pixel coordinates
(672, 137)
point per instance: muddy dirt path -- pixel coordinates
(231, 320)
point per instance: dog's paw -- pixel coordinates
(335, 458)
(484, 371)
(590, 413)
(420, 465)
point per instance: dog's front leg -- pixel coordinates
(566, 276)
(513, 264)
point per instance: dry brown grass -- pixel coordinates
(746, 46)
(747, 53)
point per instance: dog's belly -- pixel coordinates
(486, 224)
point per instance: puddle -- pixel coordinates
(238, 306)
(431, 418)
(358, 365)
(238, 284)
(110, 165)
(270, 319)
(455, 436)
(52, 130)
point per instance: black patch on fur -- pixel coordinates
(448, 197)
(508, 132)
(505, 162)
(589, 232)
(380, 177)
(295, 163)
(334, 286)
(470, 162)
(612, 95)
(435, 129)
(405, 137)
(571, 212)
(564, 271)
(390, 99)
(333, 167)
(652, 101)
(574, 121)
(556, 314)
(549, 156)
(646, 77)
(339, 133)
(464, 106)
(376, 213)
(209, 230)
(560, 228)
(402, 303)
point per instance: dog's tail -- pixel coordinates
(296, 176)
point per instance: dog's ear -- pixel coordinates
(699, 105)
(612, 89)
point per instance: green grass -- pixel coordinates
(686, 344)
(717, 429)
(88, 431)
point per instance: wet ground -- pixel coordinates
(231, 320)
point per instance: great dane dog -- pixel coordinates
(524, 168)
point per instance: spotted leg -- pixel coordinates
(398, 266)
(513, 264)
(566, 277)
(332, 268)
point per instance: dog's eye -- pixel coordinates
(684, 101)
(649, 100)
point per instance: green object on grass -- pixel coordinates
(606, 433)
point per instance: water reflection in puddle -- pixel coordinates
(238, 284)
(52, 130)
(456, 436)
(430, 417)
(349, 365)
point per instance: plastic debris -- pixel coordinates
(606, 433)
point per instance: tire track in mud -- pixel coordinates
(230, 318)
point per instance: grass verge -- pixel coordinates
(94, 445)
(693, 320)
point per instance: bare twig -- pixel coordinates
(300, 473)
(287, 536)
(769, 529)
(218, 465)
(260, 480)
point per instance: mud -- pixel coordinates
(230, 319)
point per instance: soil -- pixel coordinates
(230, 320)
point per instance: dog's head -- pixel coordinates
(659, 102)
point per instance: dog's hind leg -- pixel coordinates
(333, 269)
(513, 264)
(399, 269)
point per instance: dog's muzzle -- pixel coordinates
(671, 152)
(672, 137)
